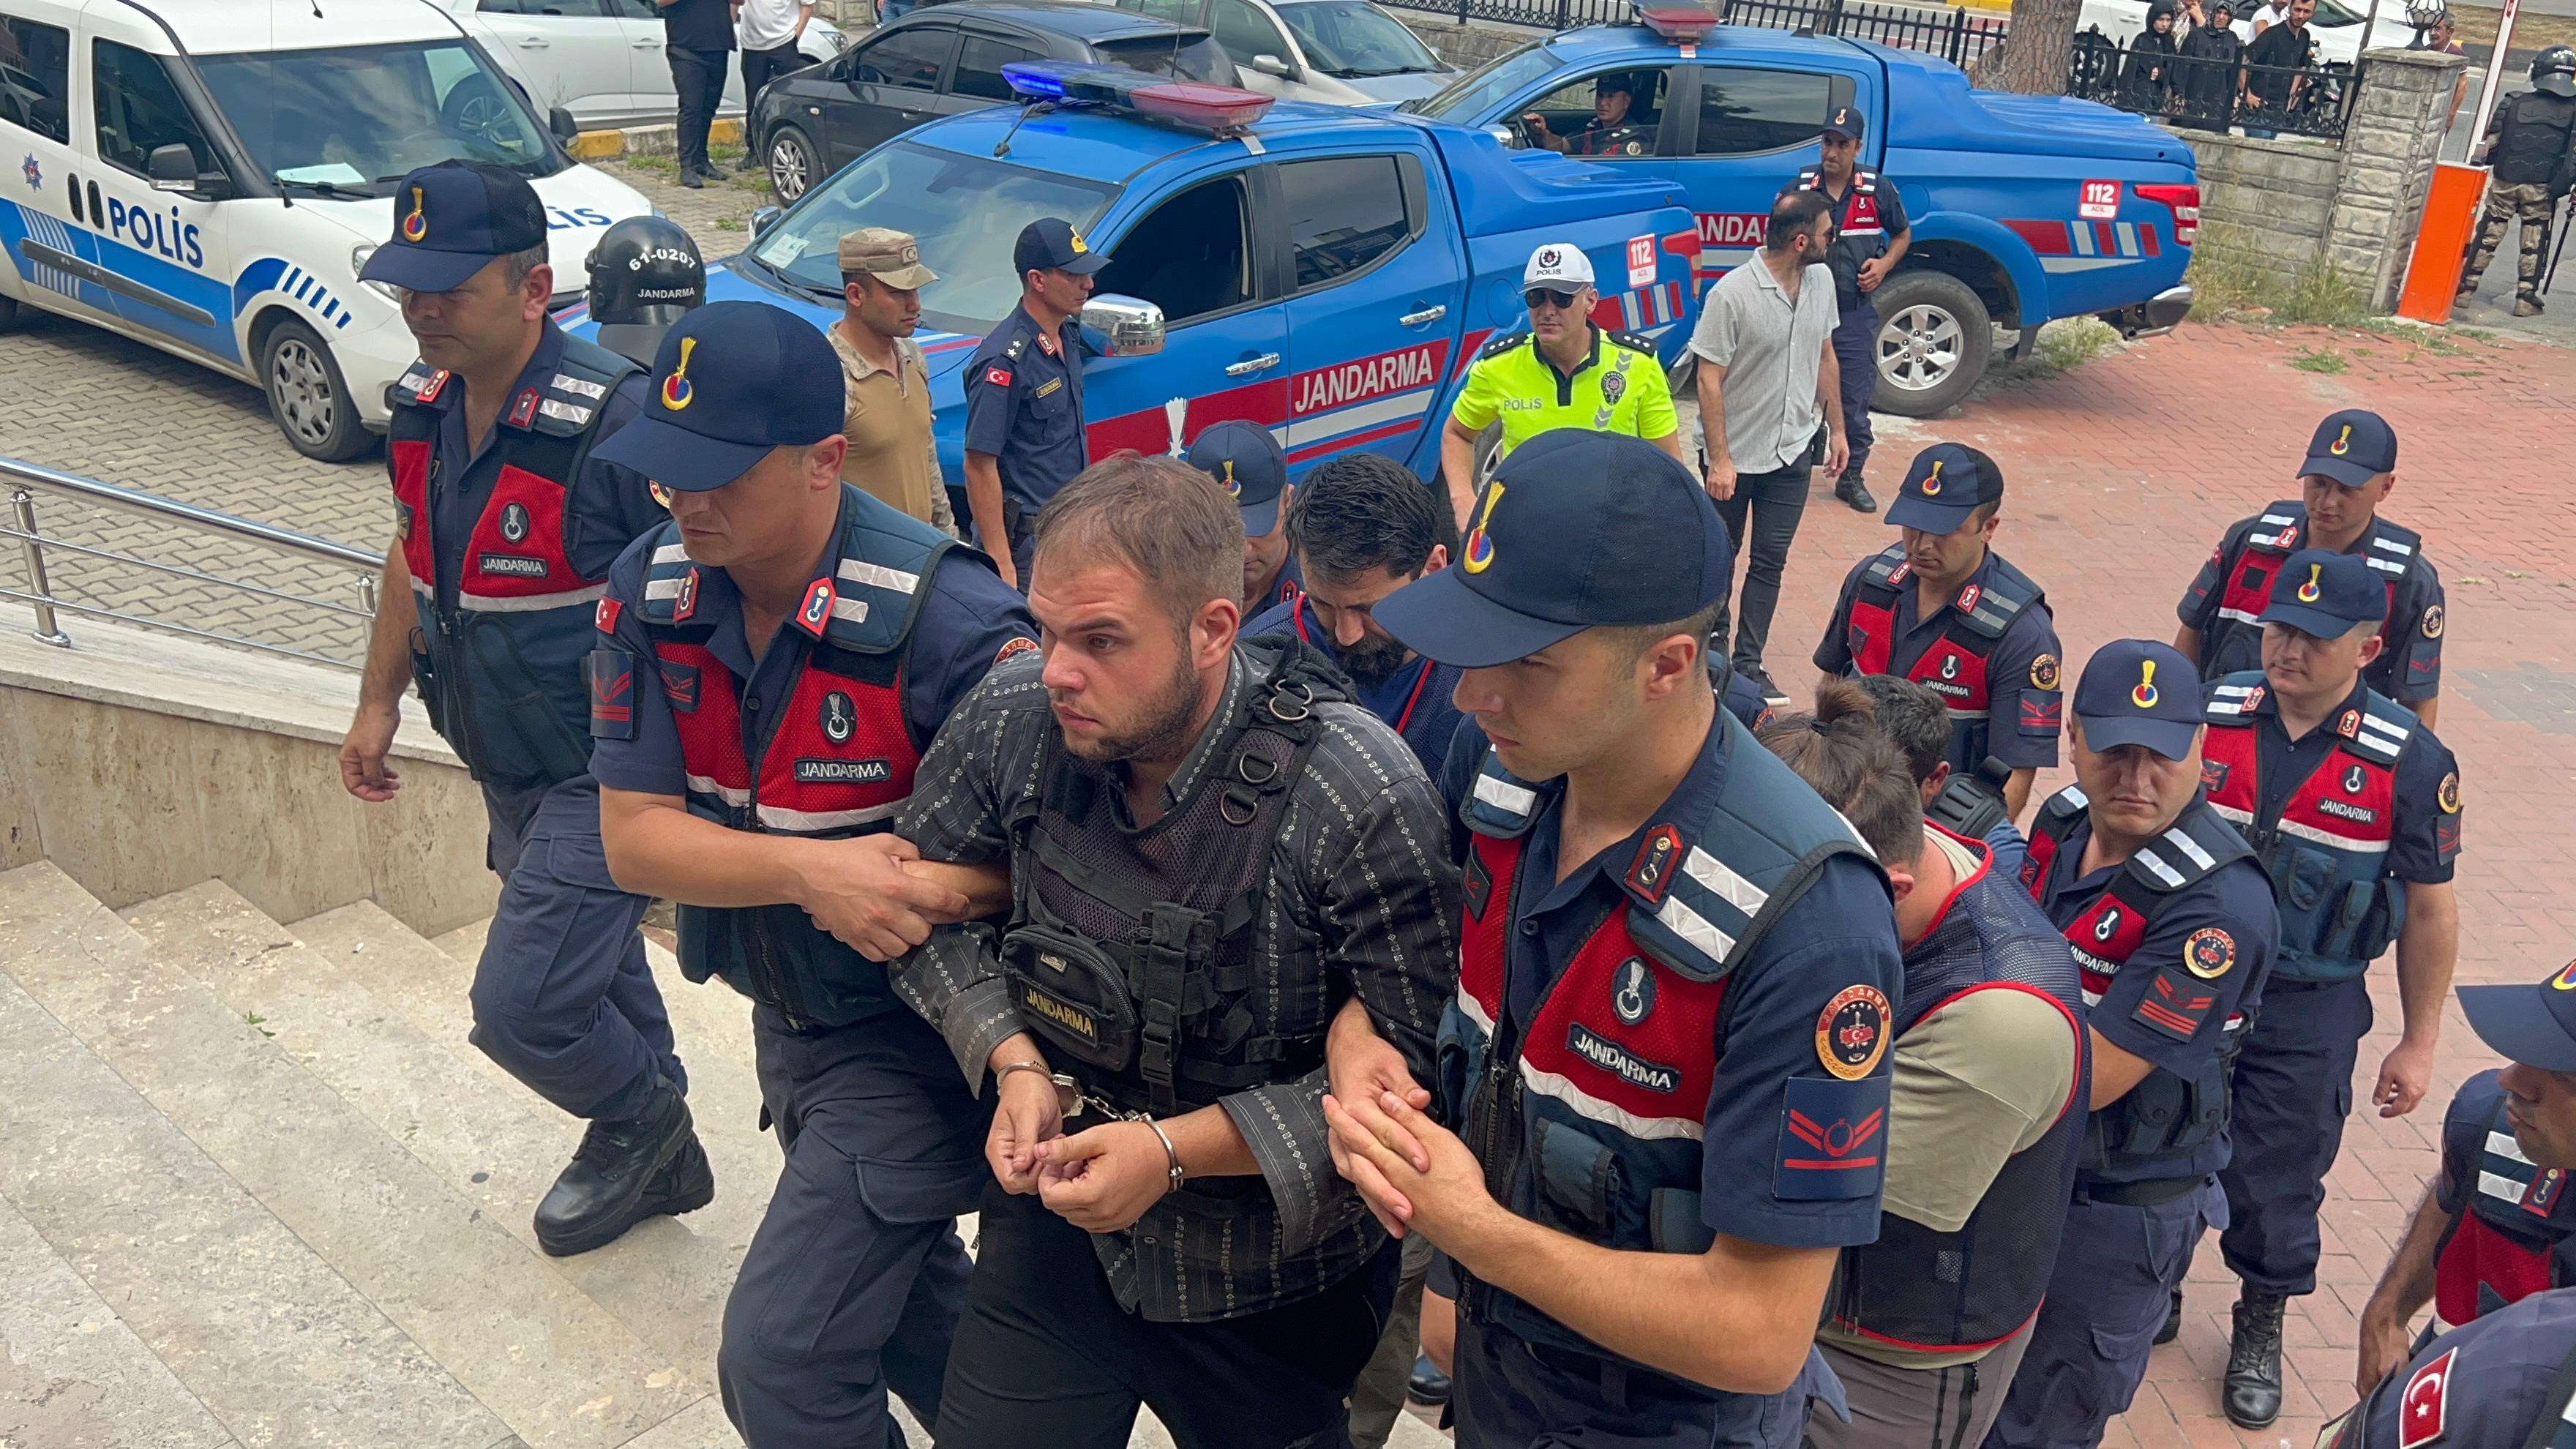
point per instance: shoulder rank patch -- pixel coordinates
(1832, 1141)
(1852, 1031)
(2213, 773)
(523, 410)
(2043, 713)
(1658, 856)
(2425, 1402)
(2043, 671)
(612, 694)
(680, 686)
(1632, 341)
(2173, 1006)
(1501, 343)
(2210, 953)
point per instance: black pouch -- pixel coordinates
(425, 677)
(1073, 993)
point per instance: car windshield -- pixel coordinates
(966, 211)
(1462, 99)
(1187, 54)
(1352, 38)
(355, 120)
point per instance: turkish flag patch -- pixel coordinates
(606, 615)
(2420, 1410)
(998, 376)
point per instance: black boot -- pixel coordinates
(1851, 490)
(1428, 1384)
(2173, 1321)
(625, 1171)
(2252, 1389)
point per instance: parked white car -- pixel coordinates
(1341, 52)
(602, 60)
(2337, 26)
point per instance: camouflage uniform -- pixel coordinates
(2531, 203)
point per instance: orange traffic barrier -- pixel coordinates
(2442, 242)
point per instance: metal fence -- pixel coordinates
(2212, 95)
(1956, 35)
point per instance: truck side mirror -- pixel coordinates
(172, 168)
(1133, 326)
(560, 121)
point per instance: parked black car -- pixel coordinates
(948, 59)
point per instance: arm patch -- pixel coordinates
(1833, 1139)
(2043, 712)
(612, 693)
(2174, 1005)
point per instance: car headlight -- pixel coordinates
(358, 263)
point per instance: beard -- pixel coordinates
(1373, 662)
(1161, 729)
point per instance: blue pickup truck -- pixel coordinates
(1327, 273)
(2024, 208)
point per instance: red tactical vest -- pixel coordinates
(2246, 583)
(1955, 665)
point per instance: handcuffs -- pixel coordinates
(1073, 1101)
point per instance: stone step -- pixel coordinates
(277, 1346)
(492, 1141)
(554, 1366)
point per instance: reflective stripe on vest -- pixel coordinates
(2246, 589)
(1954, 666)
(2505, 1244)
(2110, 930)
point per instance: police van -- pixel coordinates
(207, 176)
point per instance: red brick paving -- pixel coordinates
(2121, 475)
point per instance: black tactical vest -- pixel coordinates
(2533, 145)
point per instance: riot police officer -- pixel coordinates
(2531, 143)
(1024, 435)
(645, 275)
(505, 528)
(1641, 1239)
(1945, 610)
(759, 717)
(2173, 927)
(2353, 807)
(2351, 468)
(2507, 1381)
(2498, 1223)
(1871, 236)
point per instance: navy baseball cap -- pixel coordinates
(1577, 530)
(732, 381)
(451, 220)
(2352, 447)
(1249, 465)
(2533, 1025)
(2320, 592)
(2139, 692)
(1945, 485)
(1051, 241)
(1848, 122)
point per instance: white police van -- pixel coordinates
(207, 176)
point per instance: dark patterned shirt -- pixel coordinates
(1359, 878)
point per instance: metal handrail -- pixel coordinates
(25, 479)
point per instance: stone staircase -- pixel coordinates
(257, 1189)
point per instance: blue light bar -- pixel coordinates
(1221, 110)
(1033, 78)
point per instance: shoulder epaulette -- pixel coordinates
(1634, 342)
(2394, 549)
(2233, 698)
(1501, 343)
(2379, 730)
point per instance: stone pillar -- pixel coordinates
(2388, 154)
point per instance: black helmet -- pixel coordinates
(2554, 71)
(645, 274)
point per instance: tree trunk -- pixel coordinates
(2033, 59)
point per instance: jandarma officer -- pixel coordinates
(504, 534)
(2351, 468)
(1248, 463)
(2498, 1223)
(2506, 1381)
(2172, 924)
(1024, 436)
(1562, 371)
(2354, 808)
(1643, 1232)
(1942, 608)
(1871, 236)
(1210, 850)
(770, 665)
(1925, 1325)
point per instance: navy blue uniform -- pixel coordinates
(1024, 406)
(2513, 1222)
(2231, 590)
(2130, 1231)
(563, 999)
(2294, 1081)
(1868, 217)
(1757, 1181)
(2009, 704)
(854, 1281)
(1414, 701)
(2503, 1382)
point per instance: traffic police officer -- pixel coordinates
(645, 274)
(1642, 1236)
(2498, 1223)
(1945, 610)
(2351, 469)
(2354, 808)
(1562, 371)
(1024, 436)
(1870, 238)
(503, 537)
(758, 719)
(2507, 1381)
(1248, 463)
(2173, 925)
(2531, 143)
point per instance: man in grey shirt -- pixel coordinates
(1767, 386)
(1211, 851)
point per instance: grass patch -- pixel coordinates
(2232, 279)
(2064, 345)
(2327, 361)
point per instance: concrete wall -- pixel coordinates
(142, 764)
(1466, 46)
(2357, 204)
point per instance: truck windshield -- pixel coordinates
(355, 120)
(1353, 39)
(1470, 95)
(966, 211)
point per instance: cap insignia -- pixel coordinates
(1932, 481)
(676, 389)
(2342, 443)
(1233, 486)
(2308, 592)
(1480, 544)
(2145, 696)
(415, 226)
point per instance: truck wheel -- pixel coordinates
(791, 163)
(308, 397)
(1933, 340)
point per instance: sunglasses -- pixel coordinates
(1537, 297)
